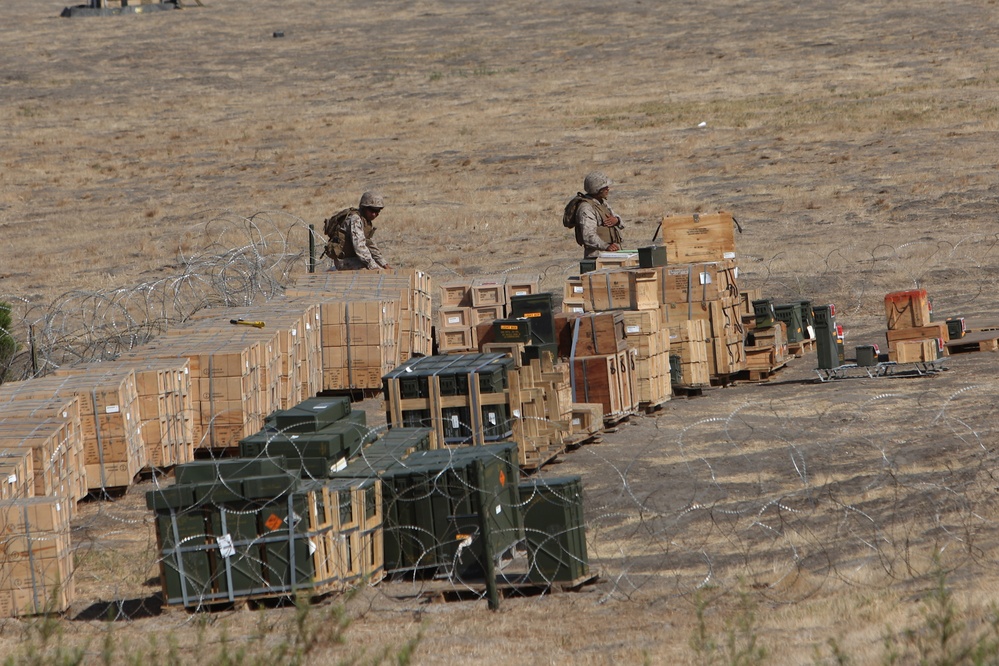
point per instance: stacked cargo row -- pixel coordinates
(470, 302)
(275, 522)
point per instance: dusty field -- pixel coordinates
(855, 142)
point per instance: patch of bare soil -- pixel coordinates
(856, 144)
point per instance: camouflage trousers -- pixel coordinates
(349, 264)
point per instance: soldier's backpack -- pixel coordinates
(569, 215)
(336, 230)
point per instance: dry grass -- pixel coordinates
(855, 144)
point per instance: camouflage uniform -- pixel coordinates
(590, 230)
(360, 250)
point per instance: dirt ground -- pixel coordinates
(854, 141)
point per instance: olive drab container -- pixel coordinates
(446, 510)
(790, 314)
(554, 528)
(539, 309)
(867, 355)
(827, 339)
(763, 311)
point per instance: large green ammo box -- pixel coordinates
(235, 538)
(342, 439)
(807, 318)
(436, 503)
(652, 256)
(763, 311)
(867, 355)
(827, 344)
(310, 415)
(555, 528)
(790, 314)
(539, 309)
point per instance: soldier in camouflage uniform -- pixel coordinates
(598, 228)
(356, 232)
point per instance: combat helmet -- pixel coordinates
(371, 200)
(595, 181)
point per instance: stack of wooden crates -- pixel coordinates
(371, 322)
(476, 399)
(470, 302)
(36, 558)
(690, 285)
(912, 337)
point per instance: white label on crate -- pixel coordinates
(226, 549)
(408, 369)
(112, 409)
(186, 370)
(728, 255)
(295, 519)
(520, 293)
(308, 326)
(65, 415)
(632, 329)
(293, 436)
(516, 413)
(321, 407)
(577, 309)
(705, 278)
(811, 332)
(454, 421)
(58, 507)
(128, 416)
(577, 288)
(339, 465)
(454, 320)
(491, 418)
(499, 508)
(577, 422)
(294, 332)
(736, 272)
(12, 479)
(312, 547)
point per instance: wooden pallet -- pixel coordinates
(533, 461)
(722, 380)
(688, 391)
(509, 586)
(612, 420)
(798, 349)
(576, 441)
(652, 408)
(759, 375)
(981, 340)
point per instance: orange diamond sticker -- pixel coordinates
(502, 478)
(273, 522)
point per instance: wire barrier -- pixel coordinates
(789, 490)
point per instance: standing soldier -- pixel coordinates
(351, 244)
(598, 228)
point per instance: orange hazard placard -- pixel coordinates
(502, 478)
(273, 522)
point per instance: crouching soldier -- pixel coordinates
(351, 232)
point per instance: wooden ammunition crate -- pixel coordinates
(907, 309)
(36, 557)
(698, 237)
(607, 379)
(915, 351)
